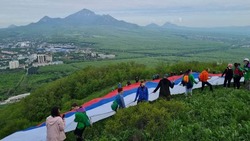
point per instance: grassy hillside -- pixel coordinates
(9, 81)
(17, 82)
(222, 115)
(86, 84)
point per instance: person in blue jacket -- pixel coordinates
(118, 103)
(119, 98)
(142, 93)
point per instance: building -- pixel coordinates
(49, 58)
(33, 57)
(41, 58)
(47, 64)
(106, 56)
(44, 58)
(9, 52)
(14, 64)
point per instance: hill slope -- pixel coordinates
(223, 115)
(226, 110)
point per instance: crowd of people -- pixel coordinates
(236, 72)
(55, 123)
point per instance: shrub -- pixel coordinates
(222, 115)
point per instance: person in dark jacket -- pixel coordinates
(164, 85)
(136, 79)
(228, 75)
(128, 83)
(142, 93)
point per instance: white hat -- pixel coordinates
(246, 59)
(230, 65)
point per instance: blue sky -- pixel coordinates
(193, 13)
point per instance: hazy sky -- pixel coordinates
(195, 13)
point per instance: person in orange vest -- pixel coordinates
(204, 79)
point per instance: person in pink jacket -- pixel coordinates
(55, 126)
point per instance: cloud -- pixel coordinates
(26, 11)
(180, 19)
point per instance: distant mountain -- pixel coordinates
(84, 17)
(45, 19)
(152, 25)
(12, 26)
(88, 23)
(84, 22)
(169, 25)
(48, 21)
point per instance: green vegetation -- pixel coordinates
(92, 82)
(218, 116)
(18, 82)
(223, 115)
(165, 45)
(76, 87)
(9, 82)
(141, 45)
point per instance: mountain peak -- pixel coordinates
(81, 18)
(12, 26)
(45, 19)
(152, 25)
(84, 12)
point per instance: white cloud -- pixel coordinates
(180, 19)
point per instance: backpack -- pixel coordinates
(201, 77)
(185, 80)
(114, 105)
(238, 72)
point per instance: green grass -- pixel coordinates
(222, 115)
(9, 81)
(17, 82)
(218, 116)
(191, 45)
(143, 46)
(93, 82)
